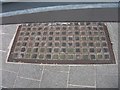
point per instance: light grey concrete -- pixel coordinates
(54, 79)
(57, 68)
(6, 39)
(9, 66)
(107, 70)
(26, 83)
(82, 75)
(30, 71)
(9, 29)
(107, 81)
(8, 79)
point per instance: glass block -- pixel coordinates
(63, 33)
(63, 50)
(41, 56)
(64, 38)
(57, 38)
(35, 50)
(98, 50)
(77, 38)
(56, 56)
(70, 50)
(23, 49)
(42, 50)
(77, 32)
(62, 56)
(27, 56)
(84, 38)
(50, 33)
(56, 50)
(49, 44)
(98, 44)
(57, 44)
(85, 57)
(85, 50)
(49, 50)
(105, 50)
(48, 56)
(92, 50)
(70, 44)
(92, 56)
(77, 44)
(106, 56)
(99, 56)
(78, 57)
(34, 55)
(91, 44)
(103, 38)
(24, 44)
(70, 57)
(37, 44)
(77, 50)
(84, 44)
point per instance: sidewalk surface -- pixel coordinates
(57, 76)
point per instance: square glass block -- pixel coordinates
(41, 56)
(62, 56)
(77, 57)
(85, 57)
(70, 57)
(55, 56)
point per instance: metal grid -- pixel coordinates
(62, 42)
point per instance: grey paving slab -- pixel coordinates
(8, 66)
(107, 81)
(0, 77)
(107, 69)
(9, 29)
(57, 68)
(26, 83)
(54, 79)
(0, 41)
(82, 75)
(8, 79)
(30, 71)
(6, 39)
(1, 59)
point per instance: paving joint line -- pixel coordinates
(16, 77)
(28, 78)
(68, 76)
(41, 76)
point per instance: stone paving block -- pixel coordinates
(26, 83)
(30, 71)
(9, 29)
(54, 79)
(0, 41)
(57, 68)
(107, 81)
(8, 66)
(0, 77)
(6, 39)
(8, 79)
(82, 75)
(1, 60)
(107, 70)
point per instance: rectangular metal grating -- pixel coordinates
(62, 43)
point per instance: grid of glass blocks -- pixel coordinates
(62, 41)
